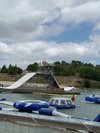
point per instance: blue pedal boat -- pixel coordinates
(61, 103)
(93, 98)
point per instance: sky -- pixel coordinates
(51, 30)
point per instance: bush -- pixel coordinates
(87, 83)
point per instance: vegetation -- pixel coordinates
(11, 70)
(87, 83)
(86, 71)
(32, 67)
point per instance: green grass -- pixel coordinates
(6, 77)
(75, 81)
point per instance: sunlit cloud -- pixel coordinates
(28, 30)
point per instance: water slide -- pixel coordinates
(66, 88)
(27, 76)
(54, 79)
(21, 81)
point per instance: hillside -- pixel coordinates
(6, 77)
(75, 81)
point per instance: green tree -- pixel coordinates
(4, 69)
(57, 69)
(56, 63)
(14, 70)
(11, 70)
(85, 71)
(32, 67)
(87, 83)
(19, 70)
(63, 63)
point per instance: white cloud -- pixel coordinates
(25, 19)
(24, 22)
(86, 12)
(29, 52)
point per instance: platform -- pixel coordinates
(50, 121)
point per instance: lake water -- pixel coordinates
(86, 110)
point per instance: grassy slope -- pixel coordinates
(6, 77)
(62, 80)
(76, 81)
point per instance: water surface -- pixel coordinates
(86, 110)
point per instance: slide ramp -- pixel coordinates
(21, 81)
(66, 88)
(56, 82)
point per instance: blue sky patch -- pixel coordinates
(77, 34)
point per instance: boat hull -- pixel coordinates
(92, 99)
(62, 106)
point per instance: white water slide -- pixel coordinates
(21, 81)
(27, 76)
(66, 88)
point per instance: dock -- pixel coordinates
(68, 125)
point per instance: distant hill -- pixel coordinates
(75, 81)
(7, 77)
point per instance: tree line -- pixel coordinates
(11, 70)
(84, 70)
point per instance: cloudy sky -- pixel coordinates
(52, 30)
